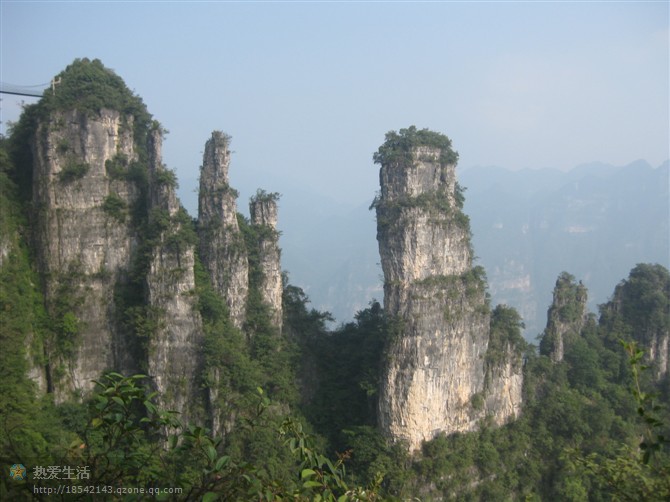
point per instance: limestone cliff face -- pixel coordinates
(174, 351)
(263, 211)
(221, 242)
(565, 318)
(435, 364)
(83, 238)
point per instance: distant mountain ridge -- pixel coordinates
(596, 221)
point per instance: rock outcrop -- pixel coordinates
(565, 318)
(114, 246)
(263, 212)
(84, 239)
(174, 350)
(640, 310)
(222, 247)
(435, 374)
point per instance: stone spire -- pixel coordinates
(435, 366)
(173, 353)
(565, 318)
(263, 211)
(84, 240)
(222, 247)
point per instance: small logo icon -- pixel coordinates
(17, 472)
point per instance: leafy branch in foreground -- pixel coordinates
(641, 473)
(128, 441)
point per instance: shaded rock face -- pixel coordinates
(174, 358)
(83, 248)
(221, 243)
(263, 211)
(435, 363)
(565, 318)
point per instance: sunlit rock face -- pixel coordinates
(120, 299)
(436, 378)
(222, 246)
(263, 211)
(84, 240)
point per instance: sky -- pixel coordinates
(307, 90)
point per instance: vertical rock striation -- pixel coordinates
(436, 358)
(174, 349)
(83, 237)
(221, 243)
(565, 318)
(263, 211)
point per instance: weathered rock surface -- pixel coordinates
(221, 243)
(435, 362)
(263, 211)
(174, 352)
(565, 318)
(82, 249)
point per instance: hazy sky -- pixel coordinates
(308, 89)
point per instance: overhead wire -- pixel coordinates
(24, 90)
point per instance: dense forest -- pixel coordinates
(302, 404)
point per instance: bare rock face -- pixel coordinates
(435, 364)
(83, 238)
(174, 358)
(221, 243)
(263, 211)
(565, 318)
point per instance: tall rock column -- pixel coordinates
(263, 211)
(434, 375)
(176, 337)
(222, 245)
(84, 238)
(565, 317)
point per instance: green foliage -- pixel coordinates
(629, 474)
(640, 305)
(21, 135)
(115, 207)
(88, 86)
(66, 325)
(26, 428)
(222, 138)
(398, 147)
(437, 205)
(63, 146)
(505, 338)
(72, 171)
(263, 196)
(565, 315)
(166, 178)
(459, 195)
(117, 167)
(349, 362)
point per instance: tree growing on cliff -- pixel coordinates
(398, 146)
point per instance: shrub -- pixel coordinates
(399, 146)
(115, 207)
(73, 171)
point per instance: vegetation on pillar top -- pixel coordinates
(264, 196)
(399, 146)
(88, 86)
(221, 139)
